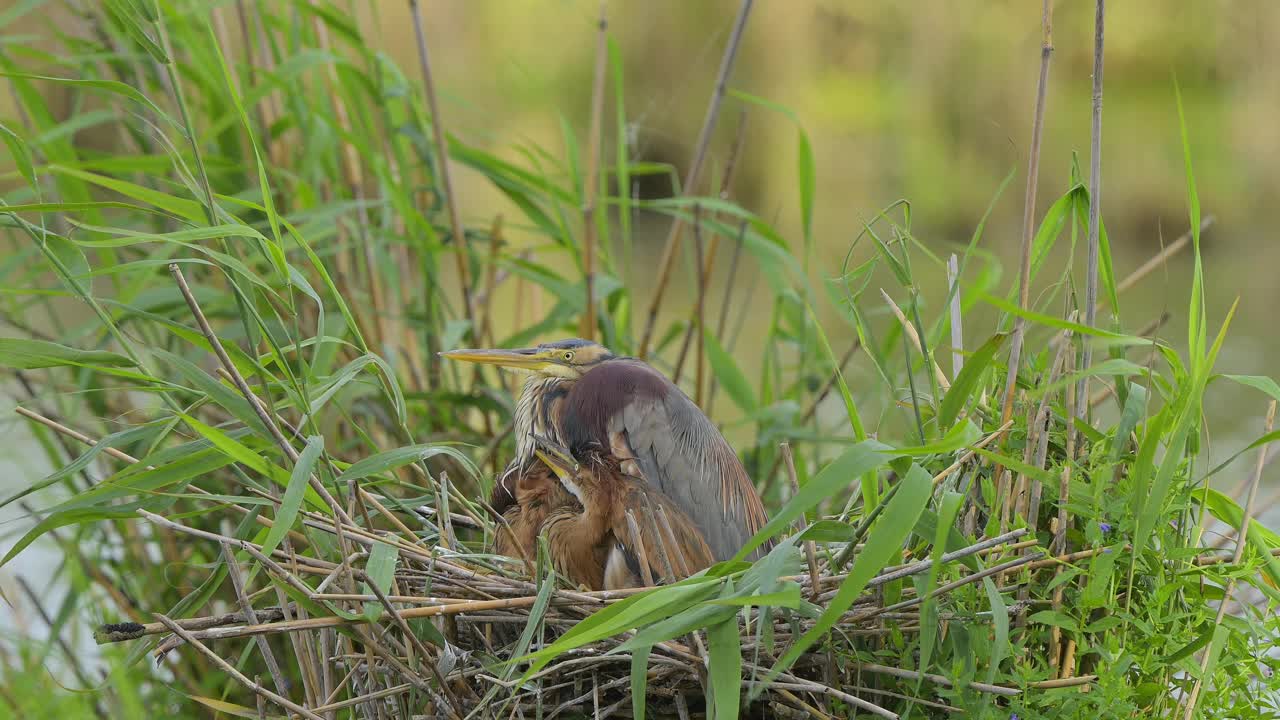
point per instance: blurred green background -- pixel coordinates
(932, 103)
(929, 102)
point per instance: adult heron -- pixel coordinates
(578, 394)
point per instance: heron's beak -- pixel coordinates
(526, 359)
(556, 456)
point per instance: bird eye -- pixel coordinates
(568, 356)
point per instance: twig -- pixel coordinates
(991, 437)
(794, 683)
(695, 170)
(230, 669)
(246, 607)
(417, 644)
(937, 679)
(1028, 233)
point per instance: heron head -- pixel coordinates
(562, 358)
(561, 461)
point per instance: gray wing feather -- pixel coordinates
(680, 452)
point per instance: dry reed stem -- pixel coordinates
(417, 644)
(1029, 212)
(442, 157)
(937, 679)
(957, 317)
(706, 266)
(246, 607)
(909, 330)
(667, 259)
(1095, 205)
(1036, 450)
(795, 683)
(214, 627)
(991, 437)
(592, 184)
(230, 670)
(1157, 260)
(267, 420)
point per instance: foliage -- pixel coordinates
(286, 190)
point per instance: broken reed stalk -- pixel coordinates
(442, 157)
(667, 259)
(1028, 234)
(1095, 207)
(1037, 430)
(1241, 536)
(909, 329)
(1059, 545)
(590, 239)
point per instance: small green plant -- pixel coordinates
(222, 330)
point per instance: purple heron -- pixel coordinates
(626, 532)
(579, 395)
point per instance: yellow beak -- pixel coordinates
(557, 457)
(526, 359)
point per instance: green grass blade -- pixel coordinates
(298, 487)
(969, 380)
(883, 546)
(856, 461)
(380, 568)
(724, 646)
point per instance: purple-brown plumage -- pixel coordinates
(602, 393)
(580, 395)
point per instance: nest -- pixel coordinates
(437, 636)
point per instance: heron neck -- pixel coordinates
(536, 413)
